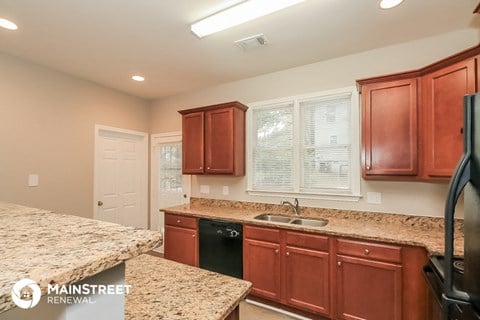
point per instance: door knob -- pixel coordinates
(339, 263)
(100, 203)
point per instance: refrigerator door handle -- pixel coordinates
(457, 184)
(460, 178)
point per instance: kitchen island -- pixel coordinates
(58, 249)
(163, 289)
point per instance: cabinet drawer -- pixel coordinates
(262, 234)
(369, 250)
(307, 241)
(180, 221)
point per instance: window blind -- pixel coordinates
(325, 143)
(273, 148)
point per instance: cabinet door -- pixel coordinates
(307, 279)
(390, 128)
(192, 143)
(261, 266)
(181, 245)
(368, 290)
(443, 92)
(219, 142)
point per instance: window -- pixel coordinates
(306, 146)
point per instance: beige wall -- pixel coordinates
(47, 127)
(397, 197)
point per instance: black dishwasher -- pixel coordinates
(221, 247)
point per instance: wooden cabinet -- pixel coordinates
(181, 239)
(411, 121)
(443, 92)
(368, 281)
(307, 272)
(192, 143)
(390, 128)
(288, 267)
(214, 139)
(261, 262)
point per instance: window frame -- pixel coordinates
(353, 193)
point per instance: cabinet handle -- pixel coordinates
(368, 167)
(178, 221)
(276, 251)
(339, 263)
(367, 252)
(288, 253)
(208, 168)
(201, 168)
(193, 236)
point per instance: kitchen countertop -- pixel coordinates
(164, 289)
(402, 229)
(51, 247)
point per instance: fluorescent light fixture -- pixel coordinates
(138, 78)
(241, 13)
(388, 4)
(7, 24)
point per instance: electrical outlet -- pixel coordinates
(33, 180)
(225, 190)
(204, 189)
(374, 197)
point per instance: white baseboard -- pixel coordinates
(285, 312)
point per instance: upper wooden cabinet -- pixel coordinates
(443, 92)
(214, 139)
(390, 130)
(412, 121)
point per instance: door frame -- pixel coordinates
(144, 167)
(155, 139)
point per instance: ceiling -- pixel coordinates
(107, 41)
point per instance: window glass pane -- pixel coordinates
(273, 148)
(170, 168)
(325, 143)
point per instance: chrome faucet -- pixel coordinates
(295, 206)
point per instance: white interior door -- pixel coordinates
(120, 190)
(168, 186)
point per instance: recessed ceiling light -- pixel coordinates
(138, 78)
(388, 4)
(7, 24)
(243, 12)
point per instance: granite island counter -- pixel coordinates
(164, 289)
(52, 248)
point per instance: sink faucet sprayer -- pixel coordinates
(295, 206)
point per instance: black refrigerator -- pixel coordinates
(459, 289)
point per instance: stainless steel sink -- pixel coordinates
(293, 220)
(310, 222)
(273, 218)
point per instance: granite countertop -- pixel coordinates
(164, 289)
(50, 247)
(402, 229)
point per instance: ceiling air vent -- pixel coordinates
(252, 42)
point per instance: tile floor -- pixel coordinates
(251, 312)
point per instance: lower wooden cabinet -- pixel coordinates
(288, 267)
(368, 289)
(262, 268)
(368, 280)
(181, 239)
(335, 278)
(307, 279)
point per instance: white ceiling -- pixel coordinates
(106, 41)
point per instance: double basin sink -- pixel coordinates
(292, 220)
